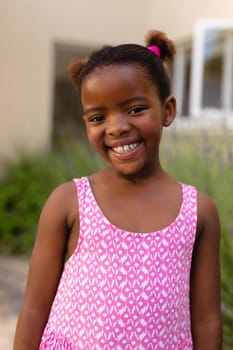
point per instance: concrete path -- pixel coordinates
(13, 273)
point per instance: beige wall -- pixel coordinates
(28, 30)
(177, 18)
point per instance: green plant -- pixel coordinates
(27, 184)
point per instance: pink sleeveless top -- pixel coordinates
(124, 290)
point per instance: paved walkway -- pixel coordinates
(13, 273)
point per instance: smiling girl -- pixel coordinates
(143, 248)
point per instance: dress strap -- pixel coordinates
(81, 189)
(190, 207)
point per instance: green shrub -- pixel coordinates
(27, 184)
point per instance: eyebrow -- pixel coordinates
(132, 99)
(120, 104)
(93, 109)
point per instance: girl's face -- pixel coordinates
(124, 117)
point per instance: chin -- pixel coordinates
(129, 171)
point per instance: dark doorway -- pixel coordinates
(67, 111)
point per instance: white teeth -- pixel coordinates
(125, 148)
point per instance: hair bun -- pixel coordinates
(160, 39)
(74, 69)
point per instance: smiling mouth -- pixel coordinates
(125, 148)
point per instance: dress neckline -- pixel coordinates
(119, 229)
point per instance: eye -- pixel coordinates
(136, 110)
(96, 118)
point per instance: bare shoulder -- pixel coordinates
(58, 215)
(65, 192)
(205, 202)
(208, 217)
(62, 202)
(57, 218)
(50, 245)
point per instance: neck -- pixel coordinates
(143, 176)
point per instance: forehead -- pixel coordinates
(115, 79)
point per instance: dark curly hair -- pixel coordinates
(131, 54)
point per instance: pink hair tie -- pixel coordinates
(154, 49)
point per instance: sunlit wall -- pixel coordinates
(28, 33)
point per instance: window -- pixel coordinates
(211, 91)
(181, 77)
(213, 69)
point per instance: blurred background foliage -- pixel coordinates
(25, 186)
(205, 161)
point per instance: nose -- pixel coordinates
(117, 124)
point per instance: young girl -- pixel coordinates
(143, 249)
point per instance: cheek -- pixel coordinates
(90, 135)
(151, 130)
(93, 136)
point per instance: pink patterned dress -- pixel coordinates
(124, 290)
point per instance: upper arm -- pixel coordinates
(46, 264)
(205, 273)
(49, 250)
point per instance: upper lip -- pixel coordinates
(120, 143)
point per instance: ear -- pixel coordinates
(169, 110)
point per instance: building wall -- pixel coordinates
(177, 18)
(28, 31)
